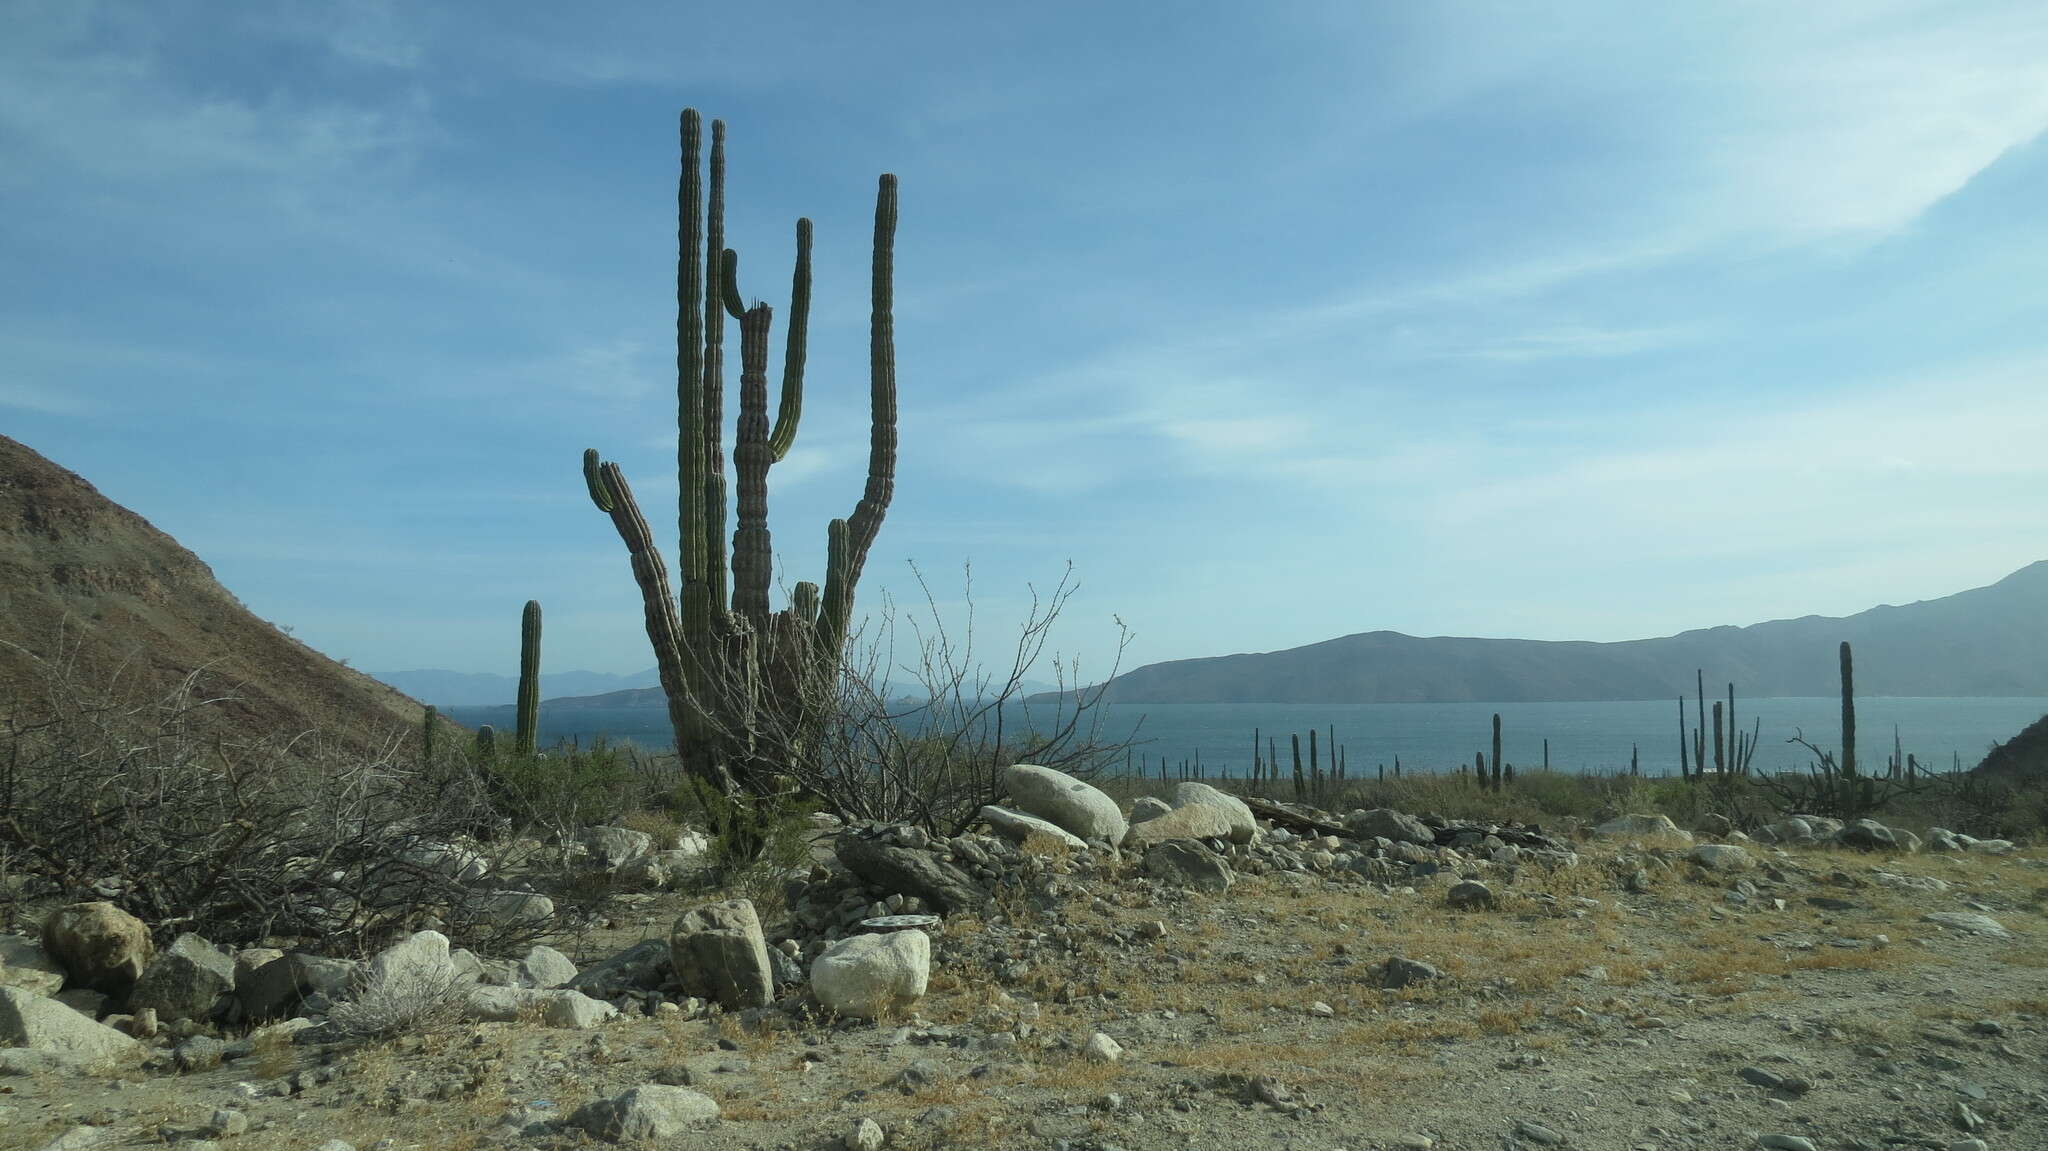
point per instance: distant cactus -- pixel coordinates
(528, 729)
(427, 725)
(486, 742)
(1848, 714)
(1496, 751)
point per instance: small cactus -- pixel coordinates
(486, 742)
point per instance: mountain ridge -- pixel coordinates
(1985, 641)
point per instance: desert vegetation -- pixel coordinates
(858, 907)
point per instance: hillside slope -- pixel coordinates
(83, 577)
(1989, 641)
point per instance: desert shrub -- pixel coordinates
(151, 800)
(921, 728)
(409, 999)
(555, 792)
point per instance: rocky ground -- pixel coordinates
(1322, 982)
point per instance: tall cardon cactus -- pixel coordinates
(745, 683)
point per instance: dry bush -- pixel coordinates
(149, 800)
(410, 999)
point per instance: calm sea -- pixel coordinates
(1440, 736)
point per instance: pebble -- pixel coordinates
(1537, 1133)
(1414, 1142)
(1786, 1142)
(1967, 1119)
(1321, 1010)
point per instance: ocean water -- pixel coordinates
(1441, 736)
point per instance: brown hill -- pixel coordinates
(2025, 754)
(84, 578)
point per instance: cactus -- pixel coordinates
(1496, 751)
(528, 725)
(486, 742)
(735, 672)
(427, 725)
(1848, 715)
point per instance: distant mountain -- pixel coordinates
(651, 697)
(1989, 641)
(482, 689)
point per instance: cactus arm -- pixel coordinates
(752, 553)
(691, 455)
(881, 486)
(796, 350)
(528, 729)
(714, 387)
(593, 479)
(729, 292)
(664, 629)
(837, 605)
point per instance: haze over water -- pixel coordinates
(1592, 736)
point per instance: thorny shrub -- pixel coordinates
(151, 801)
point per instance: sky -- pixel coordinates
(1277, 321)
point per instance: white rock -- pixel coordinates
(1148, 807)
(1721, 857)
(1102, 1049)
(419, 960)
(48, 1027)
(508, 907)
(1243, 828)
(545, 967)
(553, 1007)
(867, 975)
(1643, 827)
(1073, 804)
(1969, 921)
(612, 847)
(24, 964)
(1991, 846)
(646, 1114)
(1016, 826)
(867, 1135)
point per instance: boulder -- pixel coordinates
(505, 908)
(1969, 921)
(419, 960)
(1715, 824)
(1642, 827)
(1866, 835)
(1197, 821)
(613, 847)
(657, 871)
(283, 986)
(1187, 863)
(25, 965)
(1991, 846)
(187, 980)
(866, 976)
(1721, 857)
(1017, 827)
(1148, 807)
(555, 1007)
(893, 867)
(689, 842)
(544, 967)
(1073, 804)
(47, 1026)
(1243, 828)
(1386, 823)
(1469, 895)
(99, 946)
(455, 861)
(719, 954)
(647, 1114)
(1402, 972)
(645, 966)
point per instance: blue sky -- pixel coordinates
(1280, 321)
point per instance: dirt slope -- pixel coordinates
(77, 565)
